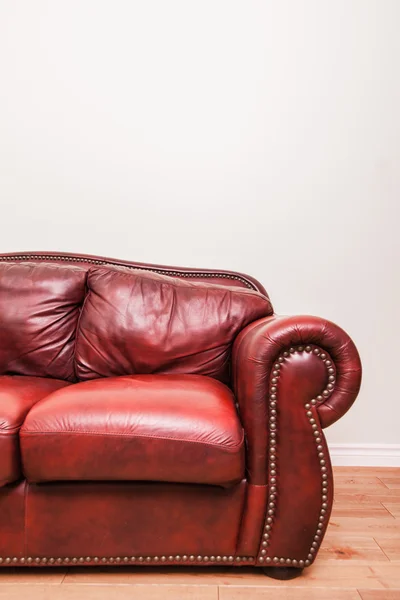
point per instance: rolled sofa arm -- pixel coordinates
(260, 344)
(292, 376)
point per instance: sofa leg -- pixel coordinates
(283, 573)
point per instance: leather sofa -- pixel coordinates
(162, 416)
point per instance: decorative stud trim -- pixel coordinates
(200, 274)
(184, 558)
(263, 557)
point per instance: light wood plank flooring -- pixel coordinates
(359, 560)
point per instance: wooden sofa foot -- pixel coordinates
(283, 573)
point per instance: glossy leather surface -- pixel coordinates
(136, 322)
(281, 366)
(12, 521)
(257, 348)
(132, 519)
(39, 310)
(17, 396)
(253, 520)
(218, 276)
(299, 490)
(151, 427)
(170, 423)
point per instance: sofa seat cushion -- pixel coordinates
(175, 428)
(17, 395)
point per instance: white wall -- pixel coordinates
(253, 135)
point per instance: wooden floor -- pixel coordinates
(359, 559)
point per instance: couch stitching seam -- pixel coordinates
(234, 447)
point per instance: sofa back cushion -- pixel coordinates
(137, 322)
(39, 310)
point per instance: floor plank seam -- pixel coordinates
(376, 542)
(382, 504)
(383, 483)
(65, 574)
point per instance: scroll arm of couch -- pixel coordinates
(259, 345)
(267, 341)
(292, 376)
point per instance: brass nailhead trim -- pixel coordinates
(127, 559)
(108, 262)
(262, 558)
(272, 459)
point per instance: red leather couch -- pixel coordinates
(156, 415)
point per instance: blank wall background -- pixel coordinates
(258, 136)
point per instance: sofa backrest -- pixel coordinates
(39, 310)
(221, 277)
(135, 322)
(74, 322)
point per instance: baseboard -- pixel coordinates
(365, 455)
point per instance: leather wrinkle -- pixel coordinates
(225, 448)
(150, 437)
